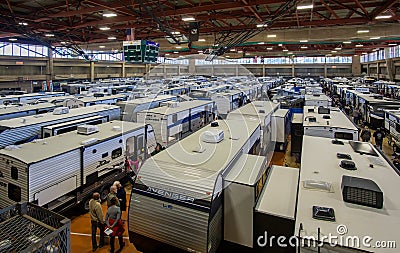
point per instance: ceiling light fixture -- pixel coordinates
(303, 47)
(359, 45)
(271, 36)
(392, 44)
(262, 25)
(305, 6)
(109, 14)
(102, 46)
(240, 51)
(374, 38)
(346, 42)
(364, 53)
(178, 47)
(303, 41)
(285, 50)
(333, 51)
(63, 42)
(232, 50)
(166, 54)
(105, 28)
(49, 35)
(338, 48)
(186, 19)
(384, 16)
(202, 40)
(269, 48)
(280, 45)
(363, 31)
(112, 38)
(176, 52)
(175, 33)
(23, 23)
(12, 39)
(261, 43)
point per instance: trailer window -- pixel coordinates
(14, 192)
(104, 155)
(174, 118)
(14, 173)
(116, 153)
(344, 136)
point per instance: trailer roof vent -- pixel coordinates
(87, 129)
(12, 147)
(89, 141)
(212, 136)
(116, 128)
(170, 104)
(61, 110)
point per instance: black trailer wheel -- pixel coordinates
(104, 192)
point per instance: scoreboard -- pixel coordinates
(140, 51)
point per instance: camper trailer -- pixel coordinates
(176, 120)
(68, 168)
(10, 112)
(177, 196)
(95, 100)
(259, 111)
(350, 197)
(65, 127)
(130, 108)
(25, 129)
(228, 101)
(328, 122)
(281, 124)
(317, 100)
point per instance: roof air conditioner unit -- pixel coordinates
(212, 136)
(61, 110)
(88, 129)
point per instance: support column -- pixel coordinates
(237, 70)
(325, 70)
(355, 65)
(192, 66)
(49, 66)
(378, 70)
(263, 70)
(91, 71)
(165, 71)
(123, 73)
(293, 71)
(179, 70)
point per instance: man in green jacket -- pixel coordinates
(97, 220)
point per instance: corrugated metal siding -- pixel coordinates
(5, 168)
(91, 161)
(172, 224)
(51, 171)
(11, 136)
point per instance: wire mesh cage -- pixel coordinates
(26, 227)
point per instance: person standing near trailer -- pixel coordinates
(114, 222)
(97, 220)
(121, 196)
(379, 135)
(112, 194)
(365, 134)
(356, 115)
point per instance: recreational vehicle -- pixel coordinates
(65, 127)
(24, 129)
(28, 98)
(349, 190)
(177, 196)
(261, 112)
(65, 170)
(329, 123)
(281, 124)
(10, 112)
(88, 101)
(228, 101)
(176, 120)
(317, 100)
(130, 108)
(392, 125)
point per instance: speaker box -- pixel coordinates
(194, 31)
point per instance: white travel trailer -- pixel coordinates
(228, 101)
(65, 170)
(317, 100)
(281, 128)
(130, 108)
(24, 129)
(362, 197)
(88, 101)
(65, 127)
(177, 196)
(176, 120)
(10, 112)
(261, 112)
(392, 125)
(329, 123)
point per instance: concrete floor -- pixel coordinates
(81, 228)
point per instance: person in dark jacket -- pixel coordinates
(379, 135)
(121, 195)
(366, 134)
